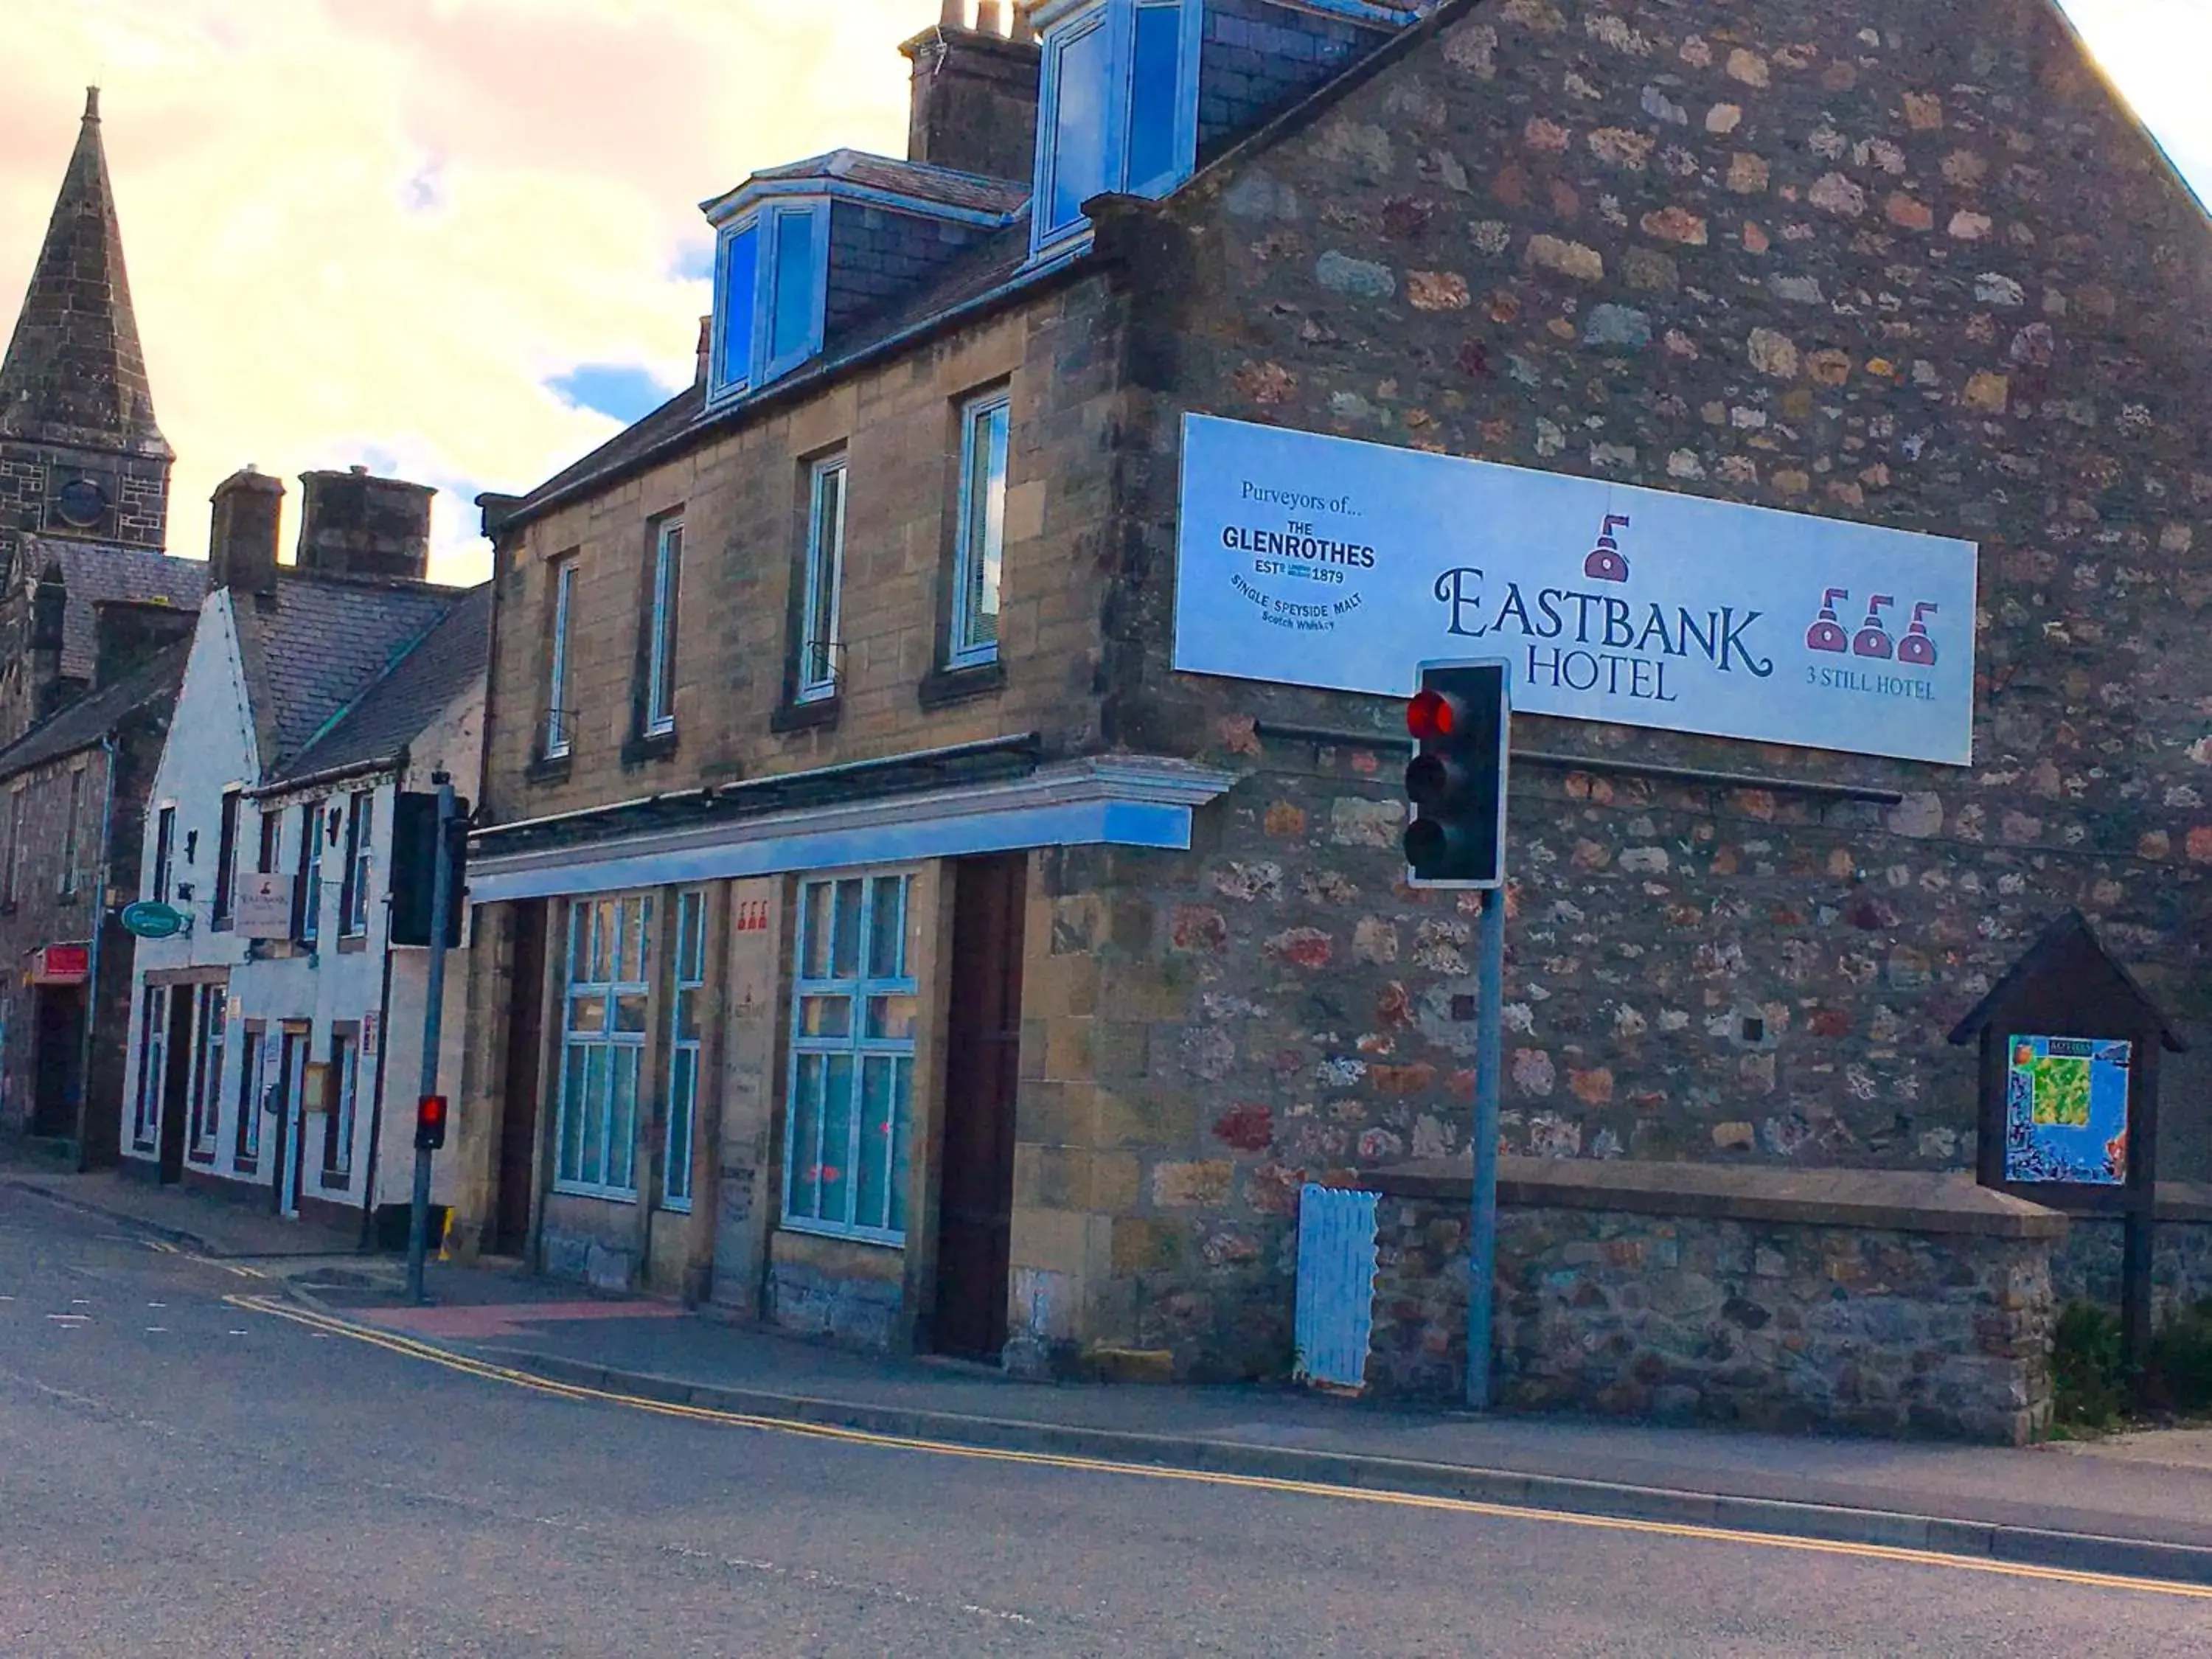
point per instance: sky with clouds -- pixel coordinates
(459, 240)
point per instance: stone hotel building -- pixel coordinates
(883, 928)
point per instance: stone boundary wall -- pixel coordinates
(2086, 1266)
(1896, 1304)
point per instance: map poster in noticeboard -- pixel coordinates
(2066, 1110)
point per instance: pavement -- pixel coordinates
(2135, 1504)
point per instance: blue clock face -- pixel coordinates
(80, 501)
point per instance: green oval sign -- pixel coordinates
(150, 919)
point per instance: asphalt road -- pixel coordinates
(182, 1476)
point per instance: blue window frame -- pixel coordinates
(603, 1046)
(854, 1008)
(771, 289)
(687, 1008)
(1118, 108)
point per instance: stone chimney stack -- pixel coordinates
(352, 524)
(974, 105)
(705, 347)
(49, 611)
(242, 539)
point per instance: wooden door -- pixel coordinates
(57, 1066)
(291, 1118)
(982, 1073)
(176, 1080)
(518, 1116)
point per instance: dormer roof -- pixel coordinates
(915, 186)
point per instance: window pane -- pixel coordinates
(891, 1018)
(805, 1130)
(622, 1136)
(901, 1111)
(1152, 97)
(591, 1164)
(629, 1012)
(691, 937)
(1079, 147)
(603, 941)
(740, 273)
(887, 929)
(687, 1017)
(682, 1091)
(824, 578)
(984, 533)
(587, 1013)
(573, 1085)
(845, 953)
(825, 1017)
(837, 1127)
(815, 963)
(878, 1112)
(793, 330)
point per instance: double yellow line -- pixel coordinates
(470, 1366)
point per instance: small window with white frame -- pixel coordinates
(819, 646)
(353, 898)
(660, 628)
(984, 431)
(559, 721)
(687, 1007)
(604, 1028)
(853, 1012)
(341, 1101)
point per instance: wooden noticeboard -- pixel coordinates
(2070, 1044)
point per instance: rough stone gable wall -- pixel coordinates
(1905, 264)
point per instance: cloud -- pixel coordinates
(396, 226)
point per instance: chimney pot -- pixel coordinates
(990, 17)
(954, 15)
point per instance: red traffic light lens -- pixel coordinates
(1429, 716)
(431, 1114)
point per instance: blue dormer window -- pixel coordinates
(769, 294)
(1118, 109)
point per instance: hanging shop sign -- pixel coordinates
(1309, 560)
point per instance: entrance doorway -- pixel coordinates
(291, 1116)
(176, 1079)
(983, 1074)
(58, 1061)
(518, 1115)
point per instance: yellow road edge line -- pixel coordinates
(410, 1348)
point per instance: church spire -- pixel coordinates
(73, 372)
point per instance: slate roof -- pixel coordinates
(90, 718)
(394, 711)
(94, 571)
(312, 649)
(922, 180)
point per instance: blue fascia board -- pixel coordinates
(1115, 823)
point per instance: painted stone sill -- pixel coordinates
(545, 769)
(806, 716)
(943, 687)
(353, 943)
(640, 751)
(1901, 1201)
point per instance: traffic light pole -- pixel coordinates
(1482, 1229)
(441, 901)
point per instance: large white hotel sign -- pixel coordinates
(1323, 562)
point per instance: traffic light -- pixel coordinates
(431, 1123)
(414, 867)
(1456, 783)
